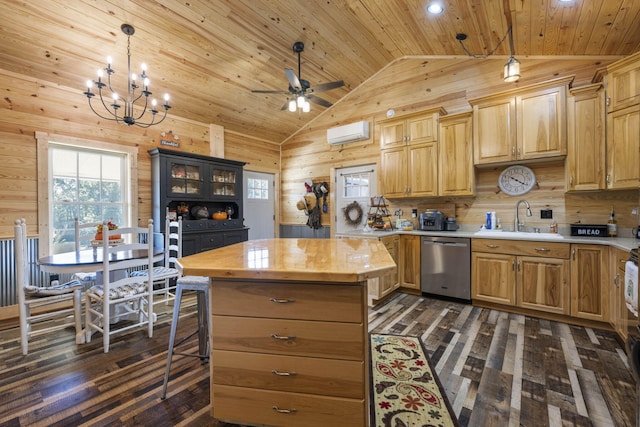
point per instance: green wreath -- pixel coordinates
(348, 217)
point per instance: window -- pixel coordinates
(91, 185)
(356, 184)
(90, 180)
(257, 189)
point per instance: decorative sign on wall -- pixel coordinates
(169, 139)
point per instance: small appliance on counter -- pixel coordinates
(435, 220)
(432, 220)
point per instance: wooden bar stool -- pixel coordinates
(201, 285)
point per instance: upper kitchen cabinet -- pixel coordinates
(524, 124)
(409, 158)
(455, 154)
(623, 83)
(586, 153)
(623, 124)
(410, 129)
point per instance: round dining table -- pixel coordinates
(90, 260)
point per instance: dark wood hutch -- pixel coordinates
(191, 185)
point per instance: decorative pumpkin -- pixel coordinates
(219, 215)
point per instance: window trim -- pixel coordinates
(44, 186)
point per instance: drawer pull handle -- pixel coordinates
(283, 337)
(283, 374)
(542, 249)
(284, 411)
(282, 300)
(492, 246)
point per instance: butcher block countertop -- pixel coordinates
(323, 260)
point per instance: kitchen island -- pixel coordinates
(289, 338)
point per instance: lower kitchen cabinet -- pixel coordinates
(493, 278)
(618, 309)
(380, 287)
(589, 272)
(532, 275)
(303, 362)
(543, 284)
(409, 267)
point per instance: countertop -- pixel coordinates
(623, 243)
(321, 260)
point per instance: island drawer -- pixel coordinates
(266, 407)
(288, 337)
(522, 247)
(305, 301)
(341, 378)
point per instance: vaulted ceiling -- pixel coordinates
(210, 54)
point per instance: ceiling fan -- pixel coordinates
(300, 90)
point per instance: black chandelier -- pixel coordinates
(128, 116)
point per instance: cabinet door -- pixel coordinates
(589, 273)
(185, 178)
(541, 119)
(493, 278)
(422, 173)
(618, 313)
(543, 284)
(392, 134)
(224, 181)
(410, 261)
(586, 139)
(455, 154)
(624, 83)
(389, 282)
(423, 128)
(623, 148)
(393, 173)
(494, 131)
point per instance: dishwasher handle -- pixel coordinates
(436, 243)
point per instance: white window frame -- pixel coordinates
(44, 140)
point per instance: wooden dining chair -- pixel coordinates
(122, 302)
(59, 305)
(166, 275)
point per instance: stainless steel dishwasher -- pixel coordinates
(446, 267)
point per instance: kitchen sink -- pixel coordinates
(525, 235)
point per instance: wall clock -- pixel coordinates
(517, 180)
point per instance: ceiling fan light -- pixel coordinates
(300, 101)
(292, 105)
(306, 107)
(512, 70)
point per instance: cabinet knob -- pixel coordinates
(571, 181)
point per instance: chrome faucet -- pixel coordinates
(517, 224)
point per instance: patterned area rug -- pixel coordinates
(406, 392)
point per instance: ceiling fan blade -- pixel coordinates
(271, 91)
(327, 86)
(285, 106)
(294, 82)
(319, 101)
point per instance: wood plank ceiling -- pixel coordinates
(210, 54)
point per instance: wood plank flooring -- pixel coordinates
(498, 369)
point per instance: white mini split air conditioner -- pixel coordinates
(348, 133)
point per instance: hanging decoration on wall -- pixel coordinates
(314, 202)
(353, 214)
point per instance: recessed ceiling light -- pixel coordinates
(566, 1)
(435, 8)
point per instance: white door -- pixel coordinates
(259, 204)
(354, 184)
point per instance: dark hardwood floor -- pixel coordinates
(498, 369)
